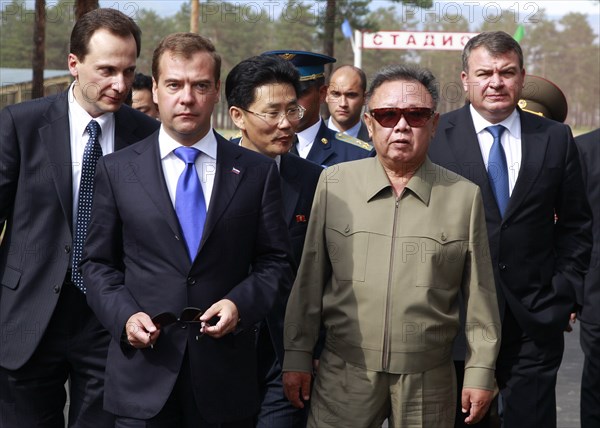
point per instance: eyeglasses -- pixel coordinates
(274, 117)
(388, 117)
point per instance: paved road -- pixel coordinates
(569, 379)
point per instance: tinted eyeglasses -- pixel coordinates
(388, 117)
(188, 316)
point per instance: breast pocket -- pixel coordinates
(440, 261)
(347, 250)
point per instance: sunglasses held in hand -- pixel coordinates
(388, 117)
(189, 315)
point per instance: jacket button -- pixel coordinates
(502, 266)
(183, 325)
(56, 289)
(504, 226)
(191, 281)
(67, 249)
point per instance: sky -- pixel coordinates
(554, 8)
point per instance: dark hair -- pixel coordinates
(142, 81)
(114, 21)
(495, 42)
(361, 75)
(307, 85)
(256, 71)
(185, 45)
(406, 73)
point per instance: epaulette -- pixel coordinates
(353, 140)
(236, 136)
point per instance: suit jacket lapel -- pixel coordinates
(150, 174)
(321, 148)
(462, 138)
(125, 125)
(57, 140)
(289, 187)
(228, 176)
(533, 148)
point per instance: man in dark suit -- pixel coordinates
(262, 96)
(539, 263)
(589, 316)
(316, 142)
(185, 219)
(49, 333)
(345, 101)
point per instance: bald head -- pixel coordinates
(346, 96)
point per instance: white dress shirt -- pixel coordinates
(206, 163)
(306, 139)
(353, 132)
(511, 142)
(78, 121)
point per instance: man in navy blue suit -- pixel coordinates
(539, 262)
(185, 219)
(589, 316)
(48, 331)
(262, 96)
(316, 142)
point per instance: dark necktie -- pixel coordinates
(189, 200)
(91, 154)
(498, 169)
(294, 148)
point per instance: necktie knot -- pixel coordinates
(93, 129)
(187, 154)
(496, 130)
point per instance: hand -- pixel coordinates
(296, 386)
(141, 331)
(228, 319)
(476, 402)
(572, 320)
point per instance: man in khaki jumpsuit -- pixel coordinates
(391, 241)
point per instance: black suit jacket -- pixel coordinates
(327, 150)
(589, 151)
(36, 202)
(135, 260)
(538, 265)
(299, 179)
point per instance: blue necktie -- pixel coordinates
(498, 169)
(91, 154)
(189, 200)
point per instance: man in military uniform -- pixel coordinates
(542, 97)
(315, 141)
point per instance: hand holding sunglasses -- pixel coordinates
(388, 117)
(189, 315)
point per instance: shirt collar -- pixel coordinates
(511, 123)
(307, 137)
(420, 183)
(353, 132)
(207, 144)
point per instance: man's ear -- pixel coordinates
(322, 93)
(369, 122)
(72, 62)
(237, 116)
